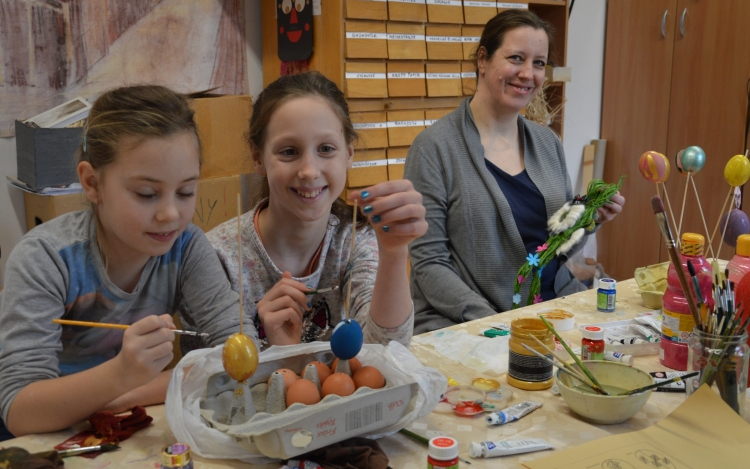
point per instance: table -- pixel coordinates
(554, 421)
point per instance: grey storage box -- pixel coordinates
(46, 157)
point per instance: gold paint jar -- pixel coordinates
(526, 370)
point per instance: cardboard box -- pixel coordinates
(406, 41)
(365, 40)
(370, 167)
(445, 11)
(366, 80)
(366, 9)
(372, 129)
(46, 157)
(404, 126)
(396, 162)
(444, 42)
(215, 202)
(479, 11)
(407, 10)
(444, 79)
(470, 36)
(406, 78)
(222, 123)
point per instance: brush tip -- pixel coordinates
(691, 269)
(657, 204)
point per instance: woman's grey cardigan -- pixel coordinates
(464, 267)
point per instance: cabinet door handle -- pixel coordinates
(664, 23)
(682, 22)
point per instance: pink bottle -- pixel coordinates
(740, 263)
(677, 323)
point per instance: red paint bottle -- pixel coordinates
(442, 453)
(592, 344)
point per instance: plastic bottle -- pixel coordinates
(677, 323)
(592, 344)
(606, 295)
(740, 263)
(442, 452)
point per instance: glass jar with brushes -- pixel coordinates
(722, 361)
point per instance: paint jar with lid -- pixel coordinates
(176, 456)
(606, 295)
(526, 370)
(442, 453)
(592, 344)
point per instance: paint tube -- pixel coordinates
(650, 334)
(492, 449)
(513, 412)
(618, 357)
(650, 321)
(624, 339)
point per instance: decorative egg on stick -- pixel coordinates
(347, 336)
(240, 354)
(655, 167)
(688, 162)
(736, 173)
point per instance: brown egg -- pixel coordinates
(354, 365)
(302, 391)
(289, 376)
(323, 371)
(370, 377)
(338, 383)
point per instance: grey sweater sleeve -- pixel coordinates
(207, 293)
(34, 295)
(439, 281)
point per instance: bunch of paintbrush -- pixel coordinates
(722, 332)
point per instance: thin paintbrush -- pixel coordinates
(322, 290)
(565, 363)
(65, 453)
(661, 218)
(570, 352)
(565, 370)
(106, 325)
(696, 286)
(656, 385)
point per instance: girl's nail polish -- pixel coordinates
(386, 228)
(309, 303)
(367, 208)
(376, 219)
(364, 194)
(309, 287)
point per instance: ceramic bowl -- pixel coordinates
(600, 409)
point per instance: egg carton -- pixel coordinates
(412, 391)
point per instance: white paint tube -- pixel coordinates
(618, 357)
(651, 321)
(624, 339)
(650, 334)
(513, 412)
(492, 449)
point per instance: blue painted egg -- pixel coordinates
(738, 225)
(347, 339)
(690, 160)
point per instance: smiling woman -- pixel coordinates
(490, 179)
(132, 259)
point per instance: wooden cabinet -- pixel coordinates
(675, 75)
(402, 57)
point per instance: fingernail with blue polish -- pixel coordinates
(364, 194)
(386, 228)
(309, 287)
(309, 304)
(367, 208)
(376, 219)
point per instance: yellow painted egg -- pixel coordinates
(240, 357)
(737, 170)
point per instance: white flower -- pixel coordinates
(564, 218)
(574, 238)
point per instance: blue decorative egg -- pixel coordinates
(690, 160)
(347, 339)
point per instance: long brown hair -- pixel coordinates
(495, 30)
(296, 86)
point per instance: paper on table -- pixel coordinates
(703, 432)
(482, 354)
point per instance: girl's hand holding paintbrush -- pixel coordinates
(281, 311)
(146, 350)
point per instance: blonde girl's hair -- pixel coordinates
(298, 86)
(136, 113)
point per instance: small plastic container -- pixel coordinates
(677, 323)
(176, 456)
(606, 295)
(740, 263)
(442, 452)
(592, 344)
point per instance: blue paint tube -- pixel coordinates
(513, 412)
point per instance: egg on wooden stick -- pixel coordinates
(240, 354)
(347, 336)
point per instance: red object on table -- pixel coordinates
(107, 427)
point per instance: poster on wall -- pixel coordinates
(294, 23)
(54, 51)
